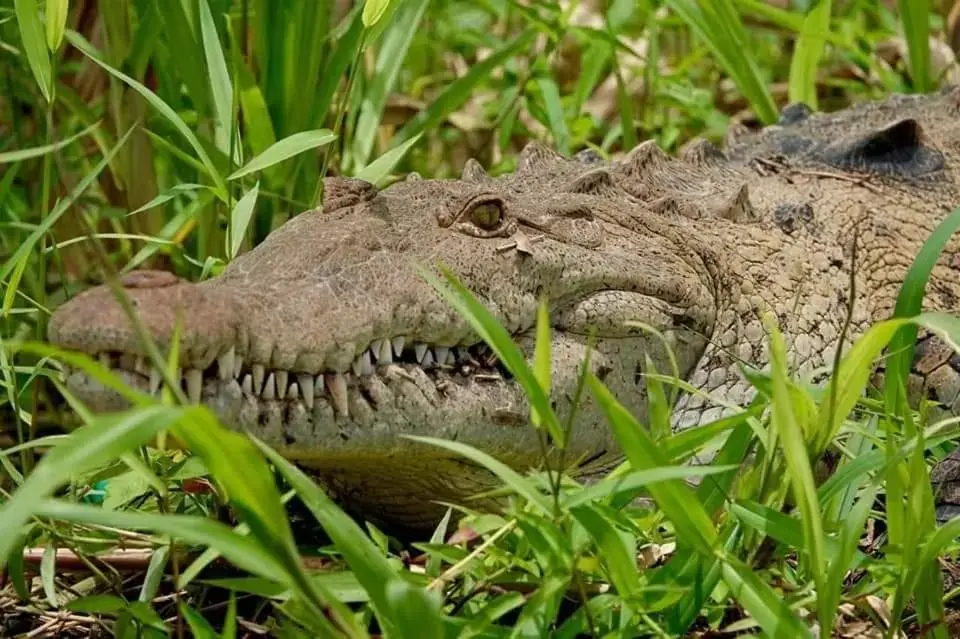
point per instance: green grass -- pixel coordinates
(180, 138)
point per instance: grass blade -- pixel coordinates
(809, 50)
(376, 172)
(25, 154)
(284, 149)
(38, 57)
(240, 218)
(162, 107)
(767, 607)
(220, 85)
(678, 502)
(510, 477)
(915, 17)
(87, 447)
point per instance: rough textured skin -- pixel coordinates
(699, 247)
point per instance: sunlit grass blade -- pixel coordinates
(555, 115)
(56, 19)
(910, 303)
(162, 107)
(796, 455)
(221, 86)
(636, 480)
(19, 155)
(678, 502)
(32, 36)
(240, 218)
(376, 172)
(805, 61)
(284, 149)
(390, 57)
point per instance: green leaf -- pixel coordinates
(718, 25)
(807, 54)
(770, 610)
(240, 218)
(909, 303)
(161, 107)
(460, 90)
(678, 502)
(555, 116)
(199, 627)
(57, 11)
(500, 341)
(510, 477)
(87, 447)
(371, 568)
(915, 16)
(285, 149)
(794, 447)
(25, 154)
(97, 604)
(219, 78)
(636, 480)
(373, 10)
(379, 169)
(542, 364)
(415, 611)
(618, 558)
(48, 572)
(38, 56)
(390, 57)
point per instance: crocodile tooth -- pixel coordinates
(293, 393)
(440, 353)
(419, 350)
(194, 384)
(397, 343)
(258, 373)
(247, 385)
(140, 365)
(281, 384)
(384, 351)
(306, 383)
(428, 359)
(104, 359)
(155, 378)
(270, 390)
(237, 366)
(337, 386)
(451, 359)
(362, 365)
(225, 364)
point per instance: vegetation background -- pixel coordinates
(177, 134)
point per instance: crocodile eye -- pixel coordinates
(486, 215)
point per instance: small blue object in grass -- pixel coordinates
(97, 493)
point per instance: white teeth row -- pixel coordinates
(279, 385)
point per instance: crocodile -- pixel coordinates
(327, 342)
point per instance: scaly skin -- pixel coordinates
(698, 247)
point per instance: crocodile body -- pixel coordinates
(326, 341)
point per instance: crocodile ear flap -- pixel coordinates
(596, 182)
(536, 156)
(896, 149)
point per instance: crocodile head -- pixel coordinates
(327, 341)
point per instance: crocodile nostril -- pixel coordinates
(149, 279)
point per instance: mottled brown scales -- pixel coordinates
(326, 341)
